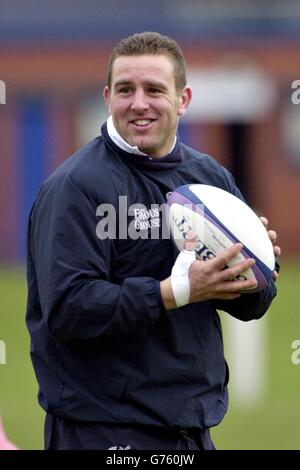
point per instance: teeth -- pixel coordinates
(142, 122)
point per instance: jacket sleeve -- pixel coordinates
(247, 306)
(74, 270)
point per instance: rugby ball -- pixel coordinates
(219, 219)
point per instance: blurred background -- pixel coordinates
(243, 62)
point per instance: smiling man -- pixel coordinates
(120, 365)
(145, 103)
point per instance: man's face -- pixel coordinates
(144, 103)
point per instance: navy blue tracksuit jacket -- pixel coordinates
(103, 347)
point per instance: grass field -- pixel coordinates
(272, 423)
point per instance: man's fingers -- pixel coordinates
(226, 256)
(264, 221)
(277, 250)
(234, 271)
(228, 282)
(235, 287)
(231, 273)
(272, 235)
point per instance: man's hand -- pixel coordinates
(209, 280)
(273, 237)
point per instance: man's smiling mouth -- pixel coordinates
(142, 122)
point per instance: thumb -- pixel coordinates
(190, 242)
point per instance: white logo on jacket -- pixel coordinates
(145, 219)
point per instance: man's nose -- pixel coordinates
(139, 102)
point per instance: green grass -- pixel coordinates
(272, 423)
(20, 412)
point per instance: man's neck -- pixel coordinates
(120, 142)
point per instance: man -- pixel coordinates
(119, 365)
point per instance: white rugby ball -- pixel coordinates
(219, 220)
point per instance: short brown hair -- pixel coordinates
(151, 43)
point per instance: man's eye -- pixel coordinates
(153, 90)
(125, 90)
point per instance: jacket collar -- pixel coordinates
(138, 158)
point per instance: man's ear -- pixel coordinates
(185, 99)
(106, 96)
